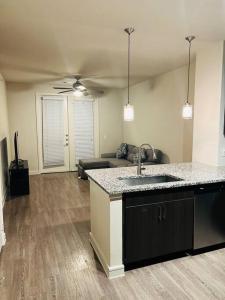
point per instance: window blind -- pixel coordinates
(83, 129)
(53, 131)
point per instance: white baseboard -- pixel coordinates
(2, 239)
(4, 198)
(111, 271)
(33, 172)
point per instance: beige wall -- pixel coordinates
(208, 140)
(4, 126)
(110, 121)
(22, 117)
(222, 114)
(158, 121)
(4, 132)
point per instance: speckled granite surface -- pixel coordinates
(191, 173)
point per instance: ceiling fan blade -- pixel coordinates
(80, 76)
(95, 92)
(62, 88)
(65, 91)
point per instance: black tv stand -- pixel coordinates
(19, 178)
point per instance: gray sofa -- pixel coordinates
(109, 160)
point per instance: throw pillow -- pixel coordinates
(149, 155)
(134, 155)
(121, 152)
(133, 158)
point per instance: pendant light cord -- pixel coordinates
(128, 30)
(128, 70)
(189, 63)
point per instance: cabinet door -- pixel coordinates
(142, 225)
(177, 229)
(157, 229)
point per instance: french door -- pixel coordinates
(66, 132)
(81, 130)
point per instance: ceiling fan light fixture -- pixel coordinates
(77, 93)
(78, 88)
(81, 88)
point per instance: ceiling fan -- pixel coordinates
(78, 88)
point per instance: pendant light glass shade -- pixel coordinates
(128, 113)
(187, 111)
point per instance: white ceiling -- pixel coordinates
(41, 40)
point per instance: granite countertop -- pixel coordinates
(191, 173)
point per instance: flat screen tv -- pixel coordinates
(16, 161)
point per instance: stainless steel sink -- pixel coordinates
(149, 179)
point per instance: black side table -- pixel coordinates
(19, 179)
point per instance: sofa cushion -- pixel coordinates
(94, 163)
(121, 152)
(133, 158)
(149, 155)
(114, 163)
(108, 155)
(149, 163)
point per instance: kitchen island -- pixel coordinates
(135, 220)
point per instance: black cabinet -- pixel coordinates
(157, 225)
(209, 216)
(19, 179)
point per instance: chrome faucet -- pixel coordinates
(139, 167)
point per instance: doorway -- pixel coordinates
(67, 131)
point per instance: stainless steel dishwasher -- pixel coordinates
(209, 215)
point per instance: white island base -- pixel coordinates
(106, 230)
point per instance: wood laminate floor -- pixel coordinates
(48, 255)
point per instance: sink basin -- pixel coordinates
(151, 179)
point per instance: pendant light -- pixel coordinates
(128, 108)
(187, 108)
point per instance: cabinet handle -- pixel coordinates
(160, 213)
(164, 213)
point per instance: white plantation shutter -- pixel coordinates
(53, 131)
(83, 129)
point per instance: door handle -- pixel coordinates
(160, 213)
